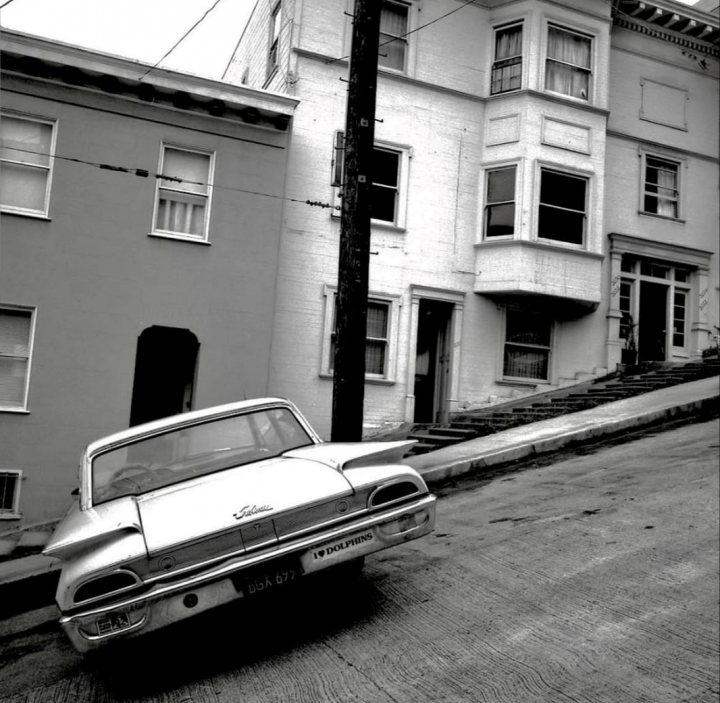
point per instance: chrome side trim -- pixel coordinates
(161, 591)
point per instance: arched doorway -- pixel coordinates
(164, 373)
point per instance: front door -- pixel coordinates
(652, 327)
(432, 363)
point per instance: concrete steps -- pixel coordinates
(551, 403)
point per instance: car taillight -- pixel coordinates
(392, 493)
(106, 585)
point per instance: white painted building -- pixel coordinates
(545, 188)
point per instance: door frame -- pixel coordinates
(448, 404)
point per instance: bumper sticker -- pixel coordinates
(328, 550)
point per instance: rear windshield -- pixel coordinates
(182, 454)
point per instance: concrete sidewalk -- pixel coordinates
(29, 581)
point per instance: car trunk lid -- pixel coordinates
(240, 498)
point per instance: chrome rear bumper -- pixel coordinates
(167, 603)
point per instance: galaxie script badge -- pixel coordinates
(250, 510)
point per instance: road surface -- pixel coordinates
(592, 579)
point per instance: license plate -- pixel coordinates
(264, 581)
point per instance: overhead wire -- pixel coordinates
(145, 173)
(412, 31)
(182, 38)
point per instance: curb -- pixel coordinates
(456, 468)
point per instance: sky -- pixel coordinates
(141, 29)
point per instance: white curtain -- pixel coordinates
(393, 27)
(508, 43)
(666, 205)
(568, 65)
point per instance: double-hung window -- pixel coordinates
(380, 349)
(272, 61)
(393, 31)
(385, 190)
(376, 338)
(563, 207)
(26, 158)
(16, 333)
(527, 344)
(183, 193)
(500, 202)
(388, 178)
(507, 66)
(661, 187)
(568, 63)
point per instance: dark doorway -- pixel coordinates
(164, 373)
(652, 325)
(432, 363)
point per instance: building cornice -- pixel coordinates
(32, 57)
(670, 22)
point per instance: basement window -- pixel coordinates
(10, 480)
(527, 345)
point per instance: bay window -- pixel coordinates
(568, 63)
(507, 65)
(500, 202)
(563, 207)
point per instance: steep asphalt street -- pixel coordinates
(591, 579)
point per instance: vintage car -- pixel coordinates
(186, 513)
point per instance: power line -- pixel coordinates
(6, 3)
(144, 173)
(412, 31)
(182, 38)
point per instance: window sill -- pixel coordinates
(179, 238)
(31, 215)
(372, 380)
(15, 411)
(374, 224)
(668, 218)
(10, 516)
(522, 382)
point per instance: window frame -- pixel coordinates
(404, 153)
(397, 38)
(508, 61)
(507, 311)
(274, 29)
(172, 234)
(564, 171)
(393, 304)
(13, 513)
(576, 67)
(32, 313)
(50, 168)
(494, 168)
(678, 163)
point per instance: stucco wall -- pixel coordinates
(98, 280)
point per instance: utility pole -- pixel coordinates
(353, 262)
